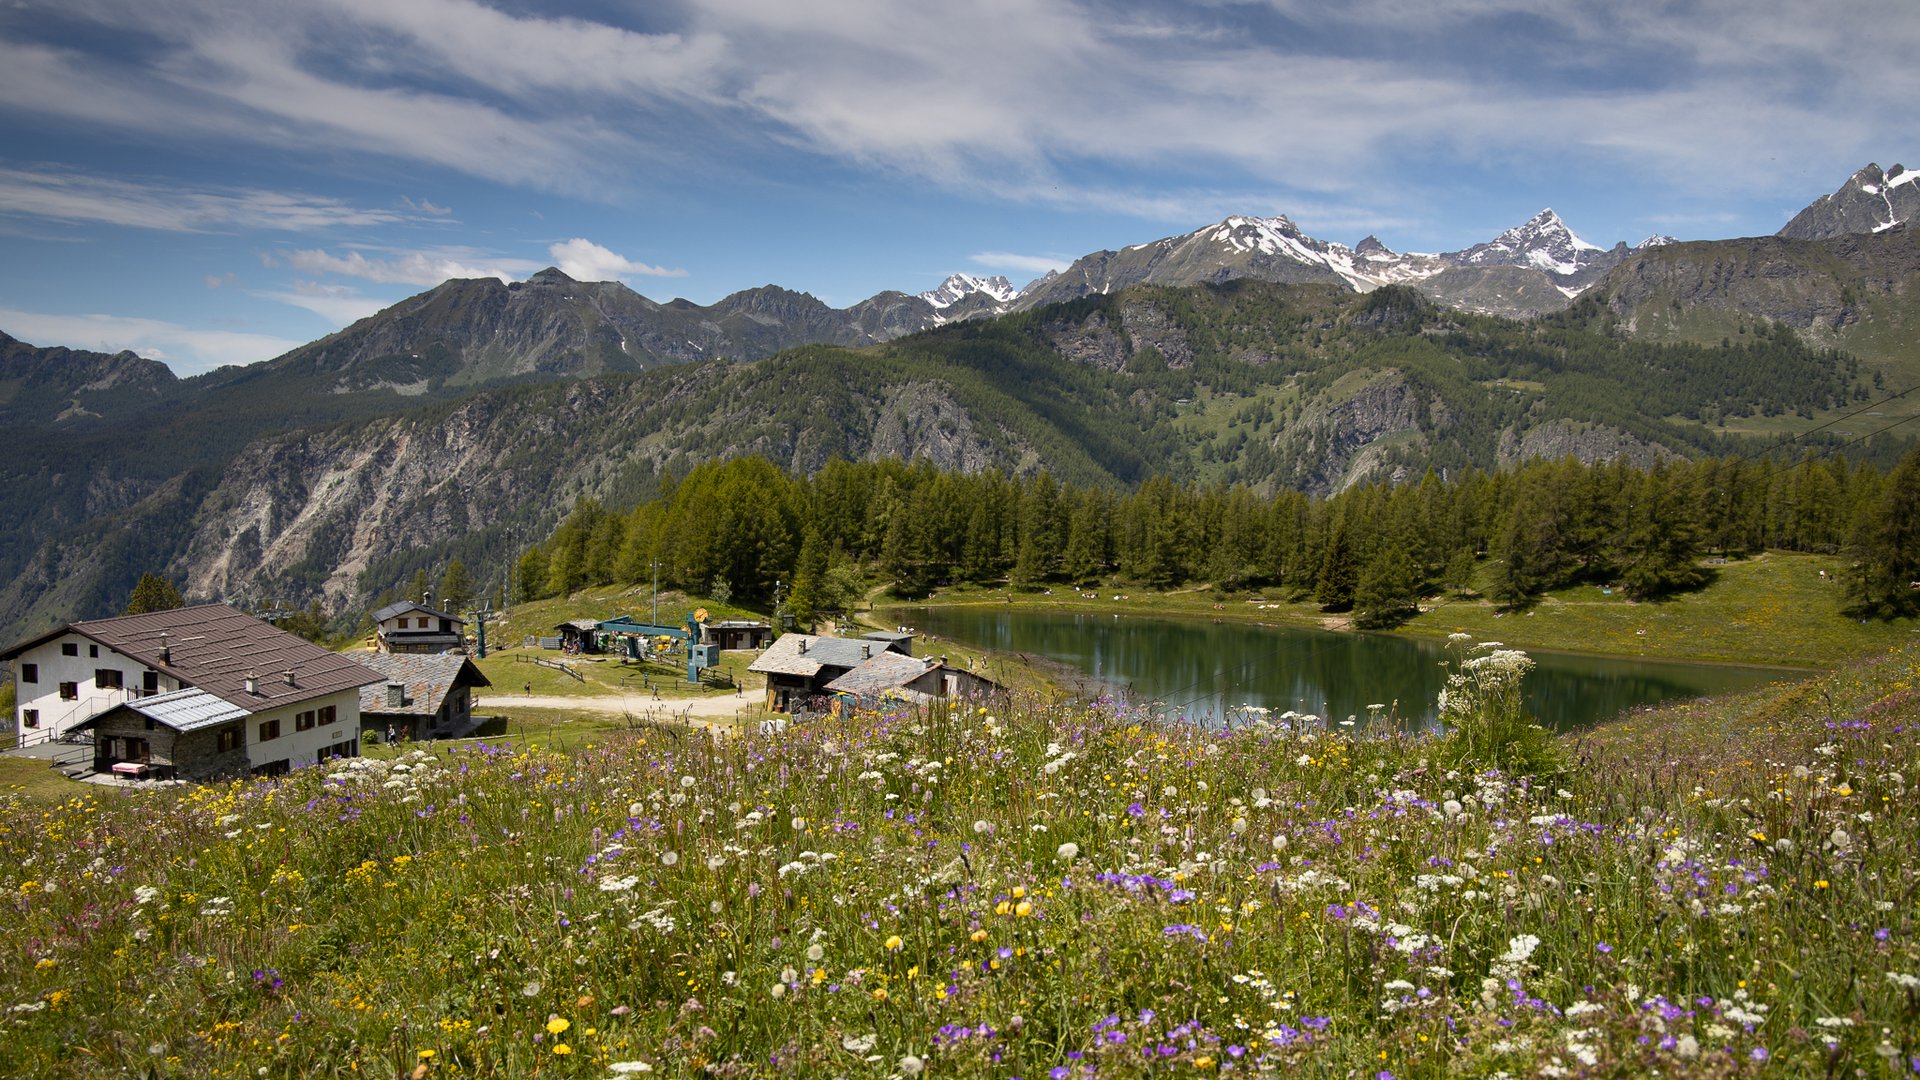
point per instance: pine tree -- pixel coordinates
(809, 577)
(1388, 590)
(1884, 580)
(417, 592)
(154, 593)
(1339, 574)
(455, 585)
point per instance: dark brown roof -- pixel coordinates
(428, 679)
(215, 648)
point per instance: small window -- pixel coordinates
(106, 679)
(93, 651)
(30, 717)
(69, 648)
(29, 673)
(229, 739)
(328, 714)
(69, 691)
(269, 730)
(303, 721)
(150, 682)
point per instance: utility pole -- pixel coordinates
(656, 593)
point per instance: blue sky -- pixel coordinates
(216, 181)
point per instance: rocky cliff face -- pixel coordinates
(1835, 291)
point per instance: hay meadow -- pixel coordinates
(1036, 890)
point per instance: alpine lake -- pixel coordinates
(1207, 671)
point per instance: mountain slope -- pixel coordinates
(69, 388)
(1272, 385)
(1870, 201)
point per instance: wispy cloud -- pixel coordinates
(1691, 93)
(188, 350)
(1007, 260)
(584, 260)
(406, 268)
(337, 304)
(63, 195)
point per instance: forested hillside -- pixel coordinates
(737, 528)
(273, 488)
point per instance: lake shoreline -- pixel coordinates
(896, 612)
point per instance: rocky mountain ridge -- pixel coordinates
(1870, 201)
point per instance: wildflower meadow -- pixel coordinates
(1035, 891)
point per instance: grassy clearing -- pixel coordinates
(1774, 608)
(513, 673)
(1771, 609)
(35, 779)
(1726, 889)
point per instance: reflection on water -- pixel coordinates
(1202, 669)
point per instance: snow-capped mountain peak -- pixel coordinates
(958, 287)
(1543, 242)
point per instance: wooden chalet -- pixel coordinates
(736, 634)
(407, 627)
(798, 668)
(891, 676)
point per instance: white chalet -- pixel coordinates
(191, 693)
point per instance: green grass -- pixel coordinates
(1705, 887)
(1771, 609)
(36, 779)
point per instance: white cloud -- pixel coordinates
(1007, 260)
(338, 304)
(944, 94)
(187, 350)
(584, 260)
(407, 268)
(63, 195)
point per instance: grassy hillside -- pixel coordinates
(1722, 888)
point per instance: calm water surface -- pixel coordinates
(1202, 669)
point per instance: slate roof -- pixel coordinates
(406, 607)
(884, 671)
(428, 680)
(182, 710)
(806, 654)
(215, 647)
(890, 636)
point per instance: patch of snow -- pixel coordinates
(1904, 176)
(958, 287)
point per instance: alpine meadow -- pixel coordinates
(712, 540)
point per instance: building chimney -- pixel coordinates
(866, 652)
(396, 694)
(252, 684)
(289, 674)
(166, 650)
(803, 646)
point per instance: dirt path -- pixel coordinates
(644, 706)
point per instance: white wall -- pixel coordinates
(300, 748)
(57, 716)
